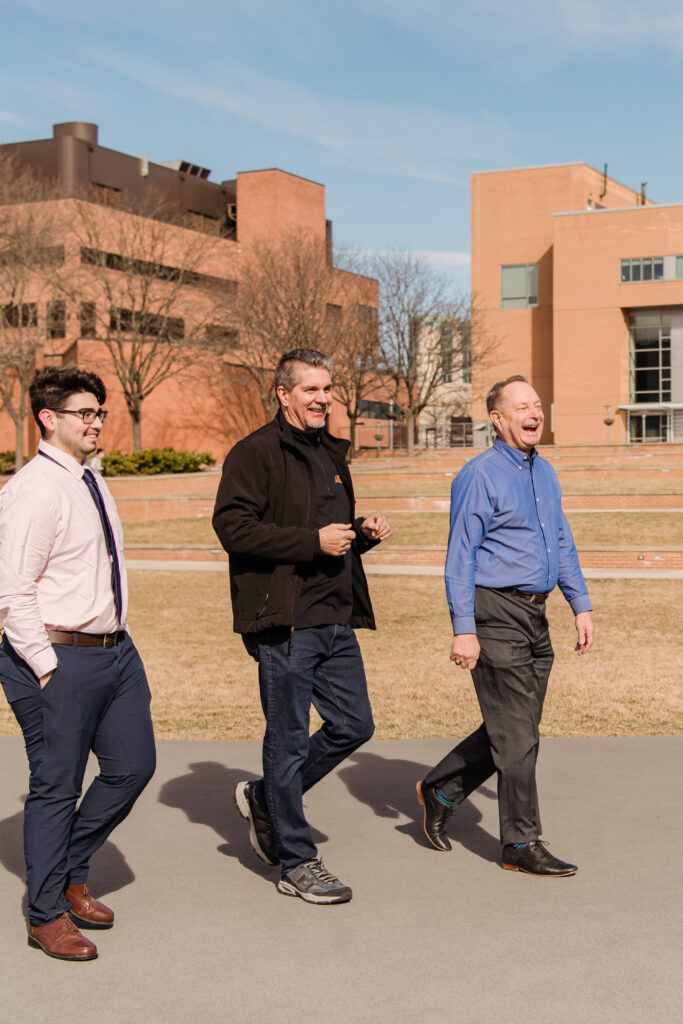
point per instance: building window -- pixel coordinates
(333, 312)
(88, 317)
(367, 315)
(650, 357)
(519, 286)
(23, 315)
(647, 428)
(56, 319)
(106, 195)
(644, 268)
(222, 338)
(146, 325)
(377, 410)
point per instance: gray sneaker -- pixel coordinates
(314, 883)
(260, 829)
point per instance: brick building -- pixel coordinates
(580, 280)
(188, 240)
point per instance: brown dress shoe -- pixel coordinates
(86, 909)
(62, 939)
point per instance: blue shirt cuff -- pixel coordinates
(581, 604)
(464, 624)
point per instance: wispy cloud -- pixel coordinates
(7, 117)
(403, 140)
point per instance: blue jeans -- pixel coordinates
(97, 699)
(321, 666)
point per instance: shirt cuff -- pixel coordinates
(581, 604)
(464, 624)
(43, 662)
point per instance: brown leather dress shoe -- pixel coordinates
(86, 909)
(62, 940)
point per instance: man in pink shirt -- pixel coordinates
(67, 663)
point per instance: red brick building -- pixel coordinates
(189, 239)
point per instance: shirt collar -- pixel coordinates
(517, 456)
(65, 461)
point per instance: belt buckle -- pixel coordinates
(109, 639)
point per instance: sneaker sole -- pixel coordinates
(287, 889)
(242, 805)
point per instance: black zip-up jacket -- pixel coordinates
(265, 519)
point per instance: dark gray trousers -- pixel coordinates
(510, 679)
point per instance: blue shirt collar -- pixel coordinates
(517, 456)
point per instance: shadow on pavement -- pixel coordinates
(205, 795)
(388, 786)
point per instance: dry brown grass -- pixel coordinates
(205, 687)
(572, 483)
(413, 528)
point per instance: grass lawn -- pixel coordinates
(572, 483)
(412, 528)
(204, 684)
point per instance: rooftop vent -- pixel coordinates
(183, 167)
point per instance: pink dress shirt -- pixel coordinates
(54, 565)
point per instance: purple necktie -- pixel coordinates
(96, 495)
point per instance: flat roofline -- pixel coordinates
(616, 209)
(572, 163)
(263, 170)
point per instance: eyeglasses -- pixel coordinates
(87, 415)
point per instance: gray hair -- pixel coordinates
(496, 391)
(287, 372)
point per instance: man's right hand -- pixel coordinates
(44, 680)
(336, 538)
(465, 650)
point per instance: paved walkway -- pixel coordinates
(203, 936)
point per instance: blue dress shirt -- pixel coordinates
(508, 530)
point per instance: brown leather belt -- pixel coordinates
(58, 636)
(531, 598)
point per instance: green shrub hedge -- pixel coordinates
(155, 460)
(7, 462)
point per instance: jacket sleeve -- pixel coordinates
(240, 510)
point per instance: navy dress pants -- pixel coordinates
(510, 680)
(97, 699)
(322, 666)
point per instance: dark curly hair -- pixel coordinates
(51, 387)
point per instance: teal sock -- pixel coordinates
(519, 846)
(442, 798)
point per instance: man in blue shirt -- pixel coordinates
(509, 546)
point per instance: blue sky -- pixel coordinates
(391, 104)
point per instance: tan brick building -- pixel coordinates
(580, 280)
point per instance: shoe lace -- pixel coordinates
(321, 873)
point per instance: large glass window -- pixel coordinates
(650, 357)
(648, 428)
(644, 268)
(519, 286)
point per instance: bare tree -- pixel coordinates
(144, 294)
(423, 333)
(290, 297)
(31, 267)
(281, 304)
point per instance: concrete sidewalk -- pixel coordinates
(202, 935)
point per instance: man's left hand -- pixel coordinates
(375, 527)
(584, 627)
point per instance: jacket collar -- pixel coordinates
(335, 444)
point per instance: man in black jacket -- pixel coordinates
(285, 514)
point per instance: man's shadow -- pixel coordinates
(109, 870)
(387, 785)
(205, 795)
